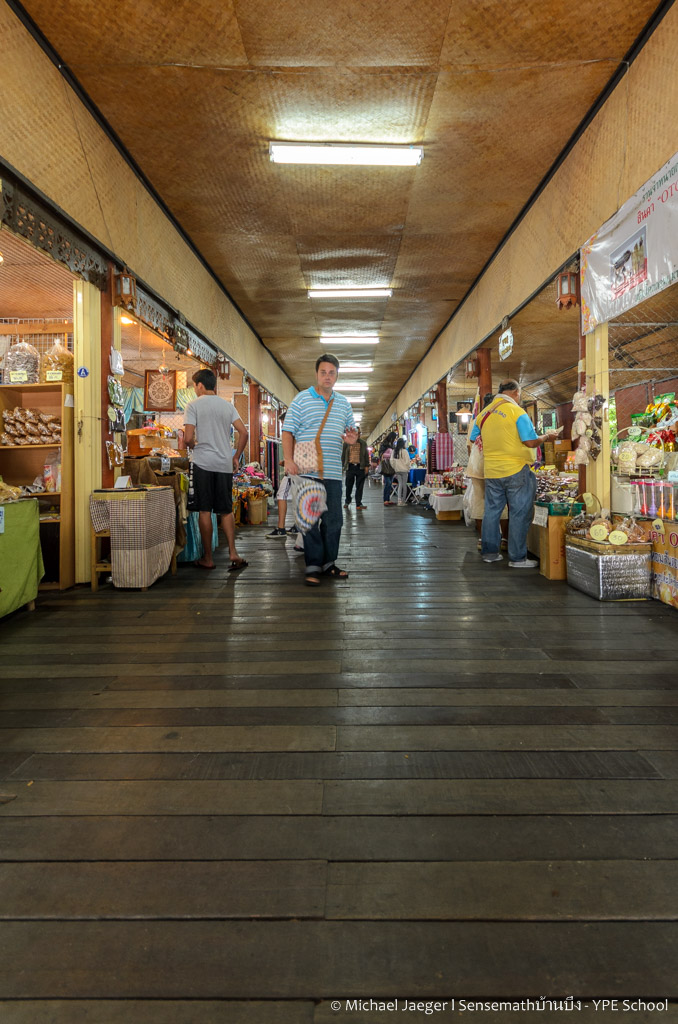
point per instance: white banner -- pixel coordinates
(634, 254)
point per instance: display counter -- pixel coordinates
(142, 530)
(21, 566)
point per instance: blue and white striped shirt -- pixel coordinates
(303, 419)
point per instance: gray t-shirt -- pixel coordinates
(212, 418)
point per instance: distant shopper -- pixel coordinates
(304, 422)
(400, 460)
(207, 430)
(475, 470)
(387, 471)
(282, 497)
(508, 438)
(356, 463)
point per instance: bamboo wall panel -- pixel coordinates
(631, 137)
(47, 135)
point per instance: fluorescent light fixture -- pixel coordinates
(355, 399)
(350, 293)
(127, 320)
(358, 155)
(352, 386)
(349, 339)
(356, 368)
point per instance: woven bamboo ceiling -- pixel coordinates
(493, 89)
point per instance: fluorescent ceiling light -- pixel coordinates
(349, 339)
(362, 155)
(350, 293)
(352, 386)
(127, 320)
(355, 399)
(356, 368)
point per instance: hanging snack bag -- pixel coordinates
(115, 392)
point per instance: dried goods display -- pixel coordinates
(29, 426)
(21, 364)
(56, 365)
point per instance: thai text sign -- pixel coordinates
(634, 254)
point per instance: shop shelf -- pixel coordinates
(561, 508)
(14, 447)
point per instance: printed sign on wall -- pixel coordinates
(634, 254)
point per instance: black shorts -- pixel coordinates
(212, 492)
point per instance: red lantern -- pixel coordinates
(567, 290)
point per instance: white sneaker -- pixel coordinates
(525, 563)
(496, 557)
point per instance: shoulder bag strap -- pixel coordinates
(502, 401)
(318, 446)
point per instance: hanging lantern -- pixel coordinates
(125, 290)
(567, 290)
(472, 367)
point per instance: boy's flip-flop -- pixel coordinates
(237, 563)
(199, 565)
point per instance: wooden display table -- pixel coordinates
(142, 531)
(446, 506)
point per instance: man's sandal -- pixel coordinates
(336, 573)
(237, 563)
(311, 581)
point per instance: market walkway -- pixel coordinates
(443, 779)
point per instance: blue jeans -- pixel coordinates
(518, 492)
(388, 485)
(321, 543)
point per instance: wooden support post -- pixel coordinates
(87, 398)
(254, 442)
(484, 357)
(107, 341)
(598, 376)
(441, 401)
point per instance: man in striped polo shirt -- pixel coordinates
(302, 422)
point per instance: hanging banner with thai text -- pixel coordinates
(634, 254)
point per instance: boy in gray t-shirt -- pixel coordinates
(207, 427)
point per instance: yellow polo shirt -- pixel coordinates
(504, 428)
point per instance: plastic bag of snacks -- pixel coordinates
(579, 402)
(57, 360)
(21, 359)
(633, 531)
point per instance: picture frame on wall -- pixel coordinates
(463, 416)
(160, 391)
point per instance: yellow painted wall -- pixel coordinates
(631, 137)
(50, 138)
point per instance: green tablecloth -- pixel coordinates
(21, 567)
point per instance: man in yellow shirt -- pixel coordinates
(508, 441)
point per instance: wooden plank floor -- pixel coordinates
(233, 798)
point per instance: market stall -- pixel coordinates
(37, 401)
